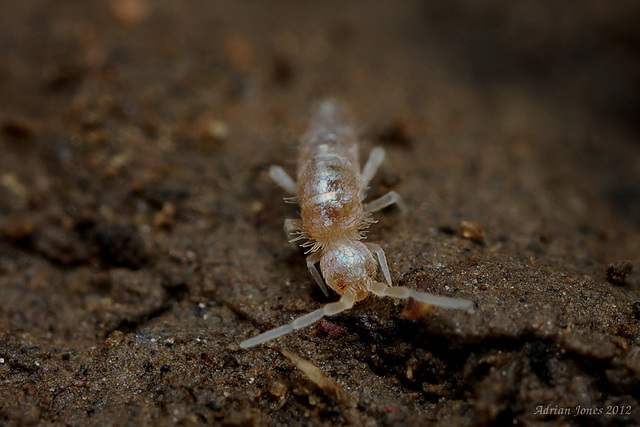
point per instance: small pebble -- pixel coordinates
(617, 272)
(471, 230)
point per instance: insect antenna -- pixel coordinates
(345, 303)
(382, 290)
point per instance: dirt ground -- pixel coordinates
(141, 237)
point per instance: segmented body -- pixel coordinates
(330, 191)
(328, 181)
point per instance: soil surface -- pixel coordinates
(141, 237)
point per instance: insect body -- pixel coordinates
(330, 190)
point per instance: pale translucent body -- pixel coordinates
(330, 190)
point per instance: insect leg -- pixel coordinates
(280, 177)
(376, 158)
(383, 290)
(312, 260)
(382, 260)
(345, 303)
(292, 230)
(382, 202)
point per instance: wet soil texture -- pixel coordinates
(141, 237)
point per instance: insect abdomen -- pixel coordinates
(328, 178)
